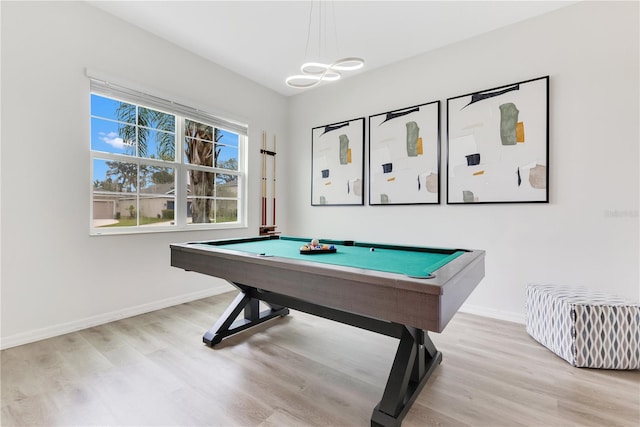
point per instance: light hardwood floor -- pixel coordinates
(153, 370)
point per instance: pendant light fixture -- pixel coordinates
(314, 72)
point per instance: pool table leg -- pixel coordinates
(415, 361)
(227, 324)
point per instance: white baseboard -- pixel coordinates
(509, 316)
(89, 322)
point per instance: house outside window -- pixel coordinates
(161, 166)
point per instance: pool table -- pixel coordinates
(399, 291)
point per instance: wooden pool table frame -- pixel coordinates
(392, 304)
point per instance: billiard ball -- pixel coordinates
(371, 249)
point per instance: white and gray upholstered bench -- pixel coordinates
(588, 329)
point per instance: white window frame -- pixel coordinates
(181, 113)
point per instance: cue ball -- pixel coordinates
(371, 249)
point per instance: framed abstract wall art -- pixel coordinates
(404, 156)
(337, 165)
(498, 144)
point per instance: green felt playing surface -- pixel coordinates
(411, 261)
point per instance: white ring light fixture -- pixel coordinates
(315, 72)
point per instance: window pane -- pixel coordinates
(226, 185)
(154, 119)
(114, 209)
(226, 211)
(198, 152)
(227, 138)
(198, 130)
(158, 201)
(227, 147)
(200, 184)
(200, 193)
(157, 180)
(112, 109)
(198, 143)
(227, 157)
(112, 137)
(199, 210)
(112, 197)
(121, 177)
(156, 144)
(157, 210)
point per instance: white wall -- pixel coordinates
(588, 233)
(55, 278)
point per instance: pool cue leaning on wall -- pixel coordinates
(263, 215)
(274, 182)
(264, 228)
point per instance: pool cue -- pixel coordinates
(264, 179)
(274, 181)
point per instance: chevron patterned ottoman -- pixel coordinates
(586, 328)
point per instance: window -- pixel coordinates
(161, 166)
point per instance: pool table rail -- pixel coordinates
(427, 304)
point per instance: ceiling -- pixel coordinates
(266, 41)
